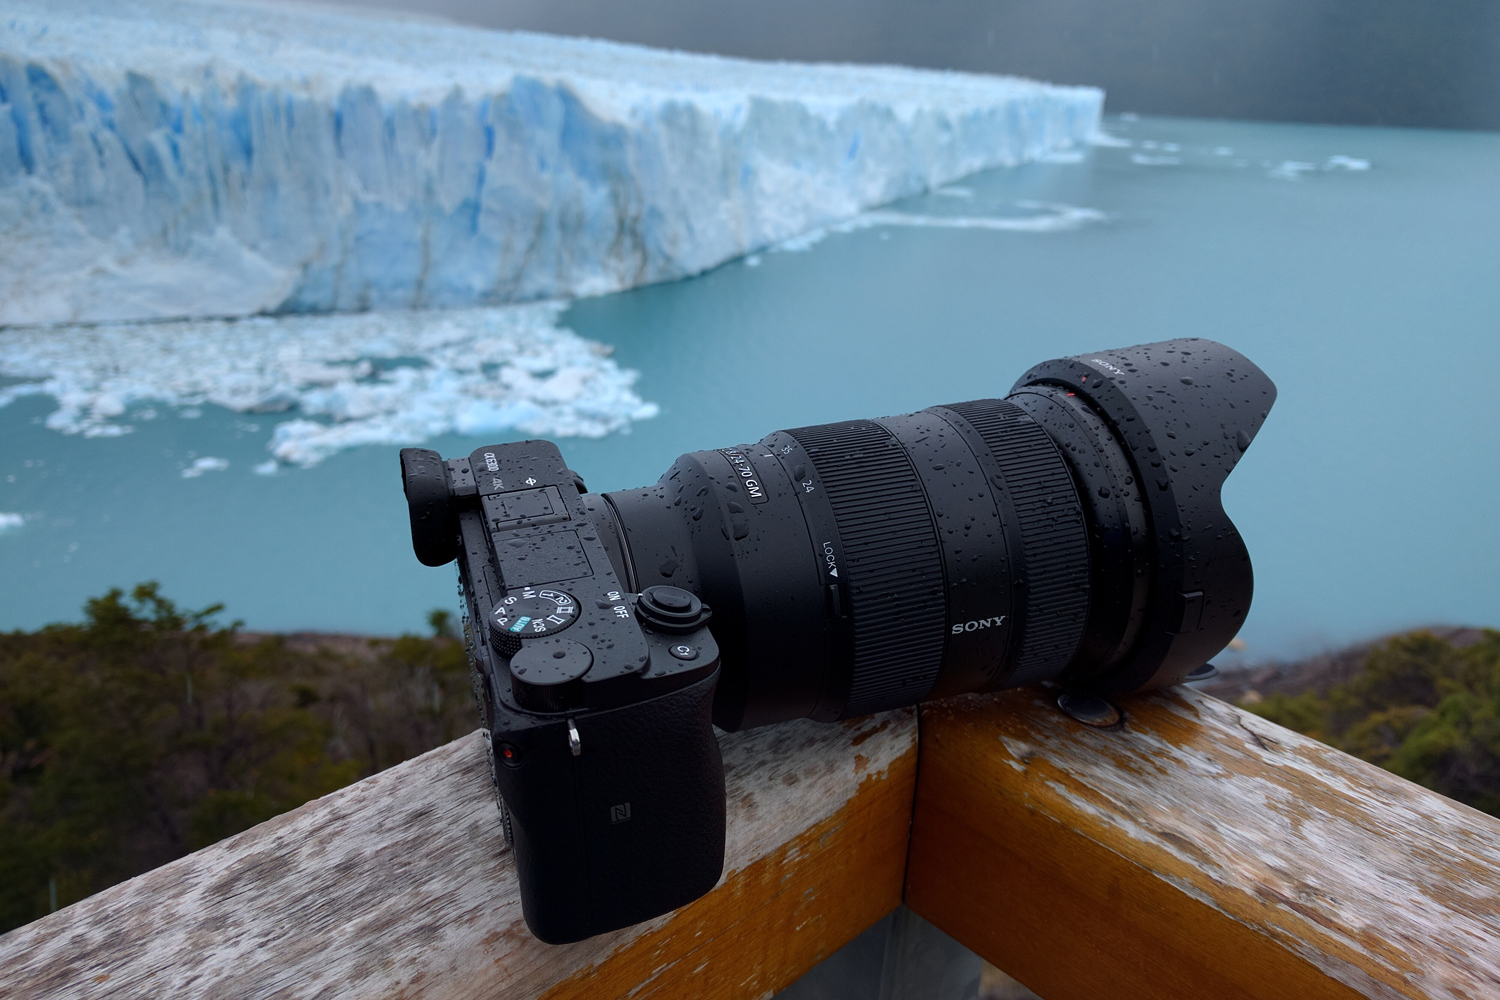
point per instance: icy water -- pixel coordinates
(1358, 267)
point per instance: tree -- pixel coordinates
(147, 731)
(1420, 708)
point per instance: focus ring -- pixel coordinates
(1054, 539)
(894, 568)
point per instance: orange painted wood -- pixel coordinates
(1200, 852)
(401, 886)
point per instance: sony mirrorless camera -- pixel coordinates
(1071, 533)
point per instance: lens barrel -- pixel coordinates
(1069, 532)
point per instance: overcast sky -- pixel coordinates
(1399, 62)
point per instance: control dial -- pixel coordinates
(531, 614)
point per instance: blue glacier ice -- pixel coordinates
(171, 158)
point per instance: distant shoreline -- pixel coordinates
(1315, 673)
(1322, 671)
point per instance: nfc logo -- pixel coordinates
(619, 813)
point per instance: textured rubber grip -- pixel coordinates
(1054, 537)
(892, 562)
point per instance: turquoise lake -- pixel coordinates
(1358, 267)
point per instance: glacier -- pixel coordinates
(192, 159)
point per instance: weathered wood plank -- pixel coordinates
(401, 886)
(1199, 852)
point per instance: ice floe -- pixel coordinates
(352, 379)
(205, 464)
(1044, 217)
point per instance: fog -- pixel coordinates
(1373, 62)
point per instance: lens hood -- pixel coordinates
(1184, 411)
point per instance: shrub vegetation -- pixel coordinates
(147, 732)
(1420, 707)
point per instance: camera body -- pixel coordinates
(1071, 533)
(597, 702)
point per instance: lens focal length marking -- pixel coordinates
(891, 570)
(750, 480)
(822, 529)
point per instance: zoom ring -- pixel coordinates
(894, 571)
(1054, 538)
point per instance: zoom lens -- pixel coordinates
(1071, 531)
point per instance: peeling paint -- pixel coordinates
(1383, 885)
(401, 885)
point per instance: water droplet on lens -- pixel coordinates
(1104, 491)
(1242, 440)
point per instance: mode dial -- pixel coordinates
(530, 614)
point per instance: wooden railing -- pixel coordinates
(1196, 852)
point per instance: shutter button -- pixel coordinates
(671, 609)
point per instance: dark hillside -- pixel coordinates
(147, 732)
(1423, 704)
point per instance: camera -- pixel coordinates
(1070, 533)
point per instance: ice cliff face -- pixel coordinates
(168, 158)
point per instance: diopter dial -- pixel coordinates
(530, 614)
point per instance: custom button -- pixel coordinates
(685, 652)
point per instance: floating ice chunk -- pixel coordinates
(1063, 156)
(1291, 170)
(1155, 161)
(1049, 218)
(266, 468)
(10, 522)
(1223, 151)
(955, 191)
(172, 158)
(1341, 162)
(363, 378)
(1103, 138)
(205, 464)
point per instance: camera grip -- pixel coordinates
(626, 829)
